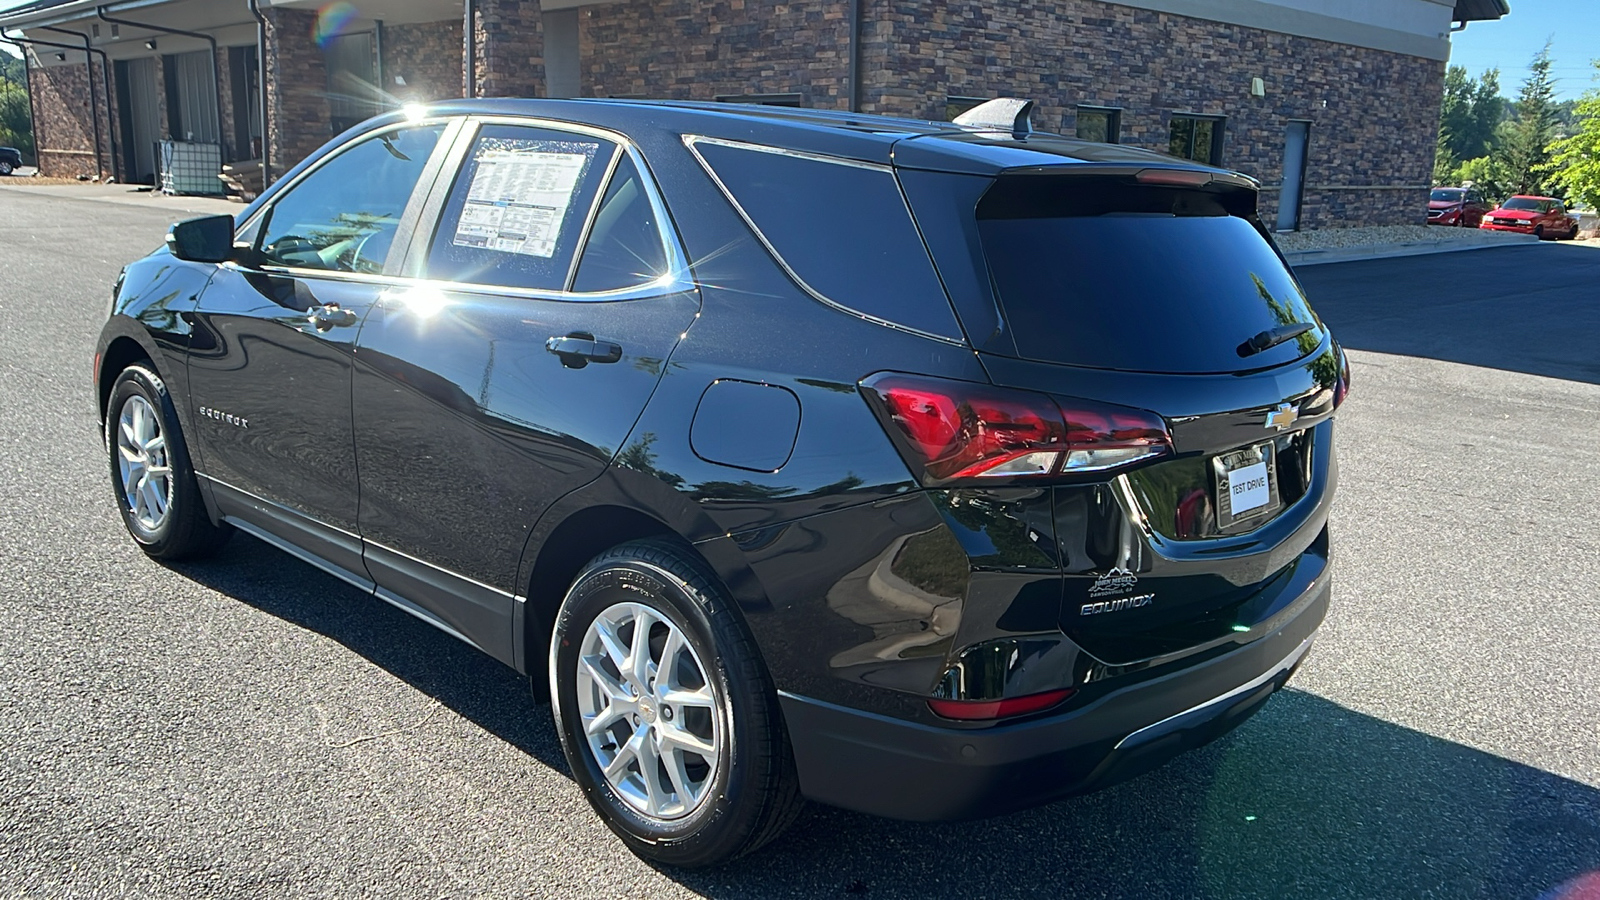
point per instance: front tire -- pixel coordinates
(5, 167)
(665, 711)
(151, 475)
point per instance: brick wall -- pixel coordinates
(63, 126)
(695, 50)
(427, 56)
(1374, 114)
(298, 118)
(509, 55)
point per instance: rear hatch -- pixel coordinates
(1157, 289)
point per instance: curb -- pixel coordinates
(1389, 251)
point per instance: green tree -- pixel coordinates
(1444, 161)
(1575, 161)
(15, 124)
(1525, 140)
(1471, 112)
(1487, 174)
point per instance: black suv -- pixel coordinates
(931, 470)
(10, 160)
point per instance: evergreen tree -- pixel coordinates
(1525, 140)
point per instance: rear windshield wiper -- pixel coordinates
(1272, 337)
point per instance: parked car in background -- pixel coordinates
(1543, 217)
(1461, 207)
(1054, 512)
(10, 160)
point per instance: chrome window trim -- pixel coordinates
(691, 140)
(589, 218)
(678, 279)
(446, 121)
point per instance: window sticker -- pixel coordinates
(519, 196)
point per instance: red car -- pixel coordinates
(1543, 217)
(1463, 207)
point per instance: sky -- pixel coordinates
(1510, 44)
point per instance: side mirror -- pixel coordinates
(208, 239)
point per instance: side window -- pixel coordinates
(1102, 125)
(842, 228)
(517, 208)
(1197, 137)
(343, 216)
(624, 247)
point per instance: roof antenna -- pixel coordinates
(1000, 114)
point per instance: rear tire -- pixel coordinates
(1538, 232)
(5, 167)
(673, 732)
(151, 475)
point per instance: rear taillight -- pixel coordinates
(954, 430)
(969, 710)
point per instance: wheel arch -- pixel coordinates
(120, 352)
(590, 521)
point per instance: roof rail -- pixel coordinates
(1000, 114)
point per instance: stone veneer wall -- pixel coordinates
(509, 49)
(696, 50)
(1374, 115)
(64, 127)
(298, 118)
(428, 56)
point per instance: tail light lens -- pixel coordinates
(955, 430)
(969, 710)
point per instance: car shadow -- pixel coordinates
(1308, 799)
(460, 677)
(1529, 308)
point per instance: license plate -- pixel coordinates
(1247, 484)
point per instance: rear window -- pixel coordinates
(1135, 278)
(842, 227)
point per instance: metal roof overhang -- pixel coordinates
(1481, 10)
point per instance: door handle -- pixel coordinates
(579, 349)
(330, 315)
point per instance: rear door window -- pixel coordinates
(624, 248)
(841, 227)
(1137, 279)
(516, 212)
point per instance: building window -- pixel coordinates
(1197, 137)
(762, 99)
(1101, 124)
(955, 106)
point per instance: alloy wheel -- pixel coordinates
(651, 717)
(142, 463)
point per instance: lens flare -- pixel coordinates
(332, 20)
(1584, 887)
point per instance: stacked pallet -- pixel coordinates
(243, 179)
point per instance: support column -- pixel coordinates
(508, 44)
(296, 75)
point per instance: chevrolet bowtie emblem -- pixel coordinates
(1282, 417)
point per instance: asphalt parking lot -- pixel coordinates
(249, 727)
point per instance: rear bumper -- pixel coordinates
(905, 770)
